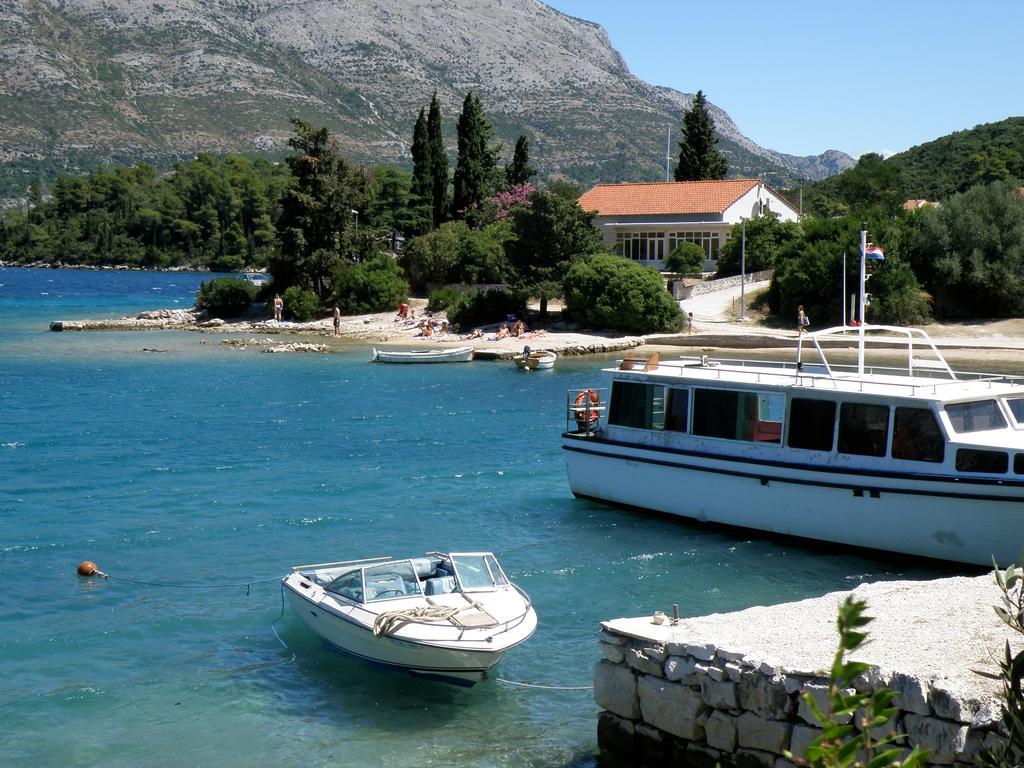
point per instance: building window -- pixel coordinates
(641, 246)
(706, 240)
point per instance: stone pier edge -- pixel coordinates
(709, 706)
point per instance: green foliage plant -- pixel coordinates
(686, 259)
(766, 236)
(225, 297)
(603, 291)
(477, 308)
(300, 304)
(850, 718)
(1009, 753)
(443, 298)
(698, 157)
(370, 286)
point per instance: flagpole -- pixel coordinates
(842, 295)
(863, 254)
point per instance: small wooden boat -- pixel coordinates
(449, 616)
(540, 360)
(455, 355)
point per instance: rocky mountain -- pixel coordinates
(85, 81)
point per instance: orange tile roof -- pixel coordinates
(665, 197)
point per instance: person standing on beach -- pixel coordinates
(802, 320)
(689, 322)
(337, 321)
(278, 307)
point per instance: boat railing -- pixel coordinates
(316, 566)
(586, 410)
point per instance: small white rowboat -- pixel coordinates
(455, 355)
(540, 360)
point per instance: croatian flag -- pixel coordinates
(874, 252)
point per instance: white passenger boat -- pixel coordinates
(453, 355)
(445, 615)
(538, 360)
(915, 458)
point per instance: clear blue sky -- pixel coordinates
(801, 77)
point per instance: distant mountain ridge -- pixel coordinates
(91, 80)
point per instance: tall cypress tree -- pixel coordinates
(519, 170)
(438, 163)
(477, 165)
(698, 158)
(422, 183)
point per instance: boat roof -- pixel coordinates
(925, 376)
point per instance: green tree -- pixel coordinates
(438, 163)
(476, 169)
(300, 304)
(969, 253)
(686, 259)
(317, 210)
(422, 181)
(370, 286)
(519, 170)
(225, 296)
(608, 292)
(765, 237)
(698, 157)
(456, 253)
(549, 233)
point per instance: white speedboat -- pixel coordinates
(254, 276)
(539, 360)
(453, 355)
(445, 615)
(909, 457)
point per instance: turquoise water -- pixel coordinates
(215, 466)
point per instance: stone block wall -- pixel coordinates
(707, 705)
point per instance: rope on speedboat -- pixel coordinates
(391, 621)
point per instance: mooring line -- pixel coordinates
(546, 687)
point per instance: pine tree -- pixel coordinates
(422, 165)
(698, 158)
(438, 163)
(519, 170)
(477, 165)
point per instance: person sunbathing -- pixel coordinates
(476, 334)
(519, 328)
(502, 333)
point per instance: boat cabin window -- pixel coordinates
(974, 460)
(812, 424)
(1016, 408)
(975, 416)
(677, 409)
(916, 435)
(863, 429)
(390, 580)
(1018, 464)
(478, 572)
(636, 404)
(349, 585)
(738, 415)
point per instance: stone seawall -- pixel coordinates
(728, 689)
(680, 292)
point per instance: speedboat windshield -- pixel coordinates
(388, 580)
(478, 572)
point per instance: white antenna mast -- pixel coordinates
(668, 137)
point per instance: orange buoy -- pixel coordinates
(88, 568)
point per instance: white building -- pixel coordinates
(646, 221)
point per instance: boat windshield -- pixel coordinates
(976, 416)
(390, 580)
(478, 572)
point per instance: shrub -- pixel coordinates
(225, 296)
(300, 305)
(369, 286)
(473, 309)
(686, 259)
(605, 291)
(443, 298)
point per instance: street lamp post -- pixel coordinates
(355, 217)
(743, 270)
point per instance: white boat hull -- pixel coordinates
(459, 355)
(537, 361)
(946, 519)
(442, 651)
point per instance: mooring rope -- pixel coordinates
(546, 687)
(392, 621)
(212, 585)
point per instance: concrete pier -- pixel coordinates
(728, 688)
